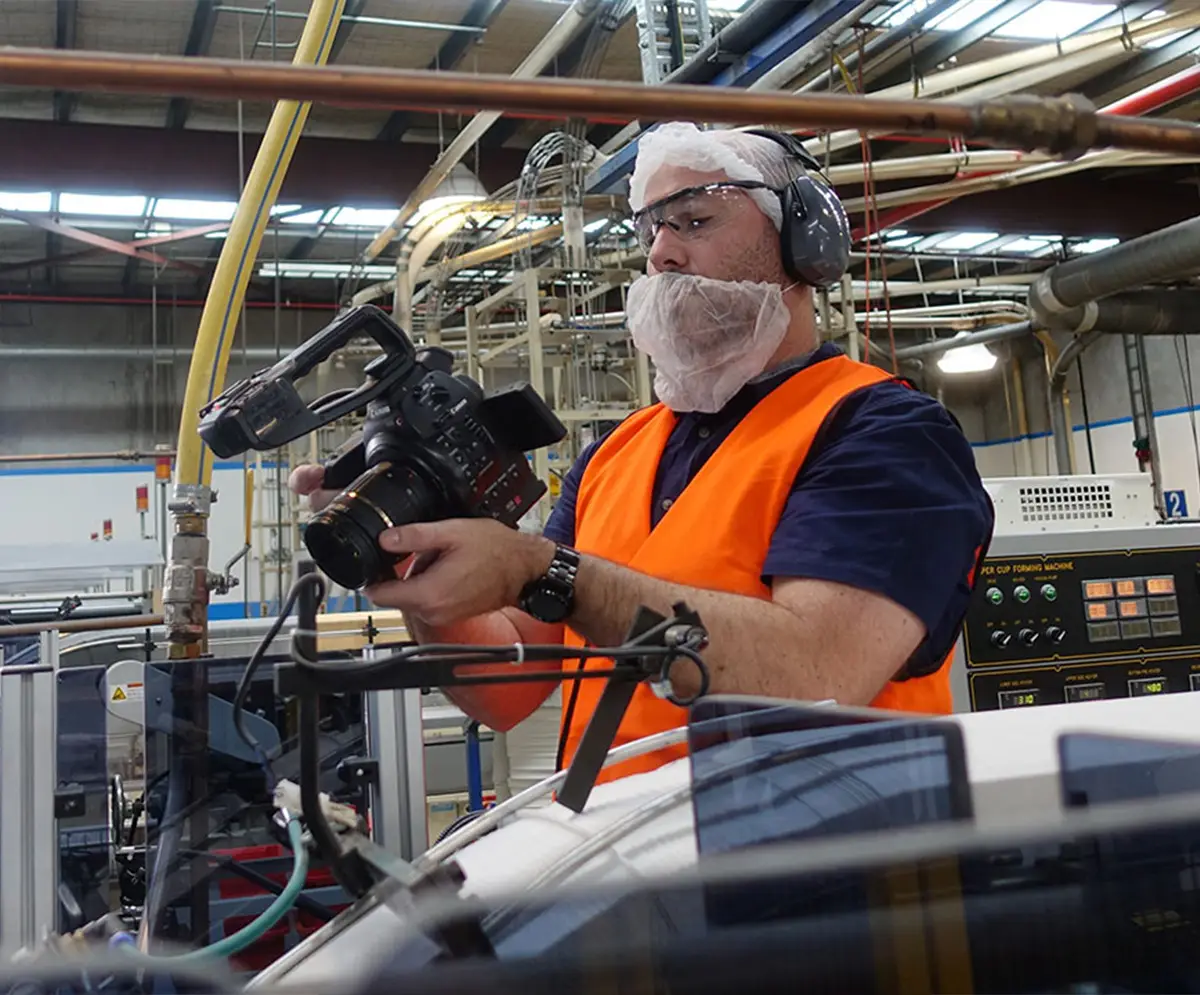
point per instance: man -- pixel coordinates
(824, 519)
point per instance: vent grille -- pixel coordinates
(1066, 502)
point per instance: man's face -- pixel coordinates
(730, 238)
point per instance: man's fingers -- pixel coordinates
(306, 479)
(422, 537)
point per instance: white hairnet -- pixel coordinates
(739, 155)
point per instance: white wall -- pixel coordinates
(64, 505)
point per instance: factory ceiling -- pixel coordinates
(67, 155)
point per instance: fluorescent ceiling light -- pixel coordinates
(1052, 19)
(1094, 245)
(102, 206)
(595, 226)
(966, 240)
(533, 224)
(967, 359)
(195, 210)
(24, 201)
(904, 242)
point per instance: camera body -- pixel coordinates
(433, 445)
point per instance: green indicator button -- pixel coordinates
(995, 595)
(1021, 593)
(1049, 592)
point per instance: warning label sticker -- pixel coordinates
(133, 691)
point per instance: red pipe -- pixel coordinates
(1149, 98)
(145, 301)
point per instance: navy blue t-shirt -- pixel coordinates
(888, 500)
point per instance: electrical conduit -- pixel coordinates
(185, 589)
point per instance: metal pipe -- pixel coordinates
(1057, 124)
(83, 625)
(112, 352)
(127, 455)
(1000, 333)
(387, 22)
(1020, 70)
(928, 198)
(1060, 426)
(1145, 312)
(1165, 254)
(807, 54)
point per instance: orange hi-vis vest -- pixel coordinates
(715, 536)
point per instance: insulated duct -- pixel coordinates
(1162, 255)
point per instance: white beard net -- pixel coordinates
(738, 155)
(706, 338)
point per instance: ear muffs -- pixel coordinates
(815, 235)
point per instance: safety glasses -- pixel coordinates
(695, 212)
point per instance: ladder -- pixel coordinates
(669, 33)
(1141, 403)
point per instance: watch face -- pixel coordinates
(546, 605)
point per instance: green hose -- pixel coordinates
(239, 941)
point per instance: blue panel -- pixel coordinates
(226, 609)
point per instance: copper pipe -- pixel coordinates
(123, 454)
(1065, 124)
(83, 625)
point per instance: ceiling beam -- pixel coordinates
(480, 14)
(945, 46)
(65, 20)
(47, 223)
(204, 19)
(182, 235)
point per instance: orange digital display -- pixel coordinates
(1098, 589)
(1130, 609)
(1126, 588)
(1160, 585)
(1100, 610)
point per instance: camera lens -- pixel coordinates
(344, 538)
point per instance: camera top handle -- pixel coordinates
(266, 411)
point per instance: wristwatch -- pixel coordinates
(551, 597)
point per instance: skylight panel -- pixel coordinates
(307, 218)
(364, 217)
(1030, 245)
(1052, 19)
(195, 210)
(96, 205)
(1094, 245)
(966, 240)
(963, 13)
(10, 201)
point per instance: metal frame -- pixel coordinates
(28, 838)
(396, 739)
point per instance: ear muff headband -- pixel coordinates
(815, 234)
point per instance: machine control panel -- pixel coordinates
(1022, 687)
(1060, 608)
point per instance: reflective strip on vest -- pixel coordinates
(717, 533)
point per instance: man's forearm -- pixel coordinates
(755, 646)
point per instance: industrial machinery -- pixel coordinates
(1085, 595)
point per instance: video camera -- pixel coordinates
(433, 445)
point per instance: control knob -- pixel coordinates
(1056, 634)
(1001, 639)
(1028, 636)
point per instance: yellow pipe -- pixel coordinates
(218, 323)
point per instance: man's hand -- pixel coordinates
(306, 481)
(462, 568)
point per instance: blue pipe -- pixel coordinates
(474, 769)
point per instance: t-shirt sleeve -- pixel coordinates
(890, 502)
(560, 526)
